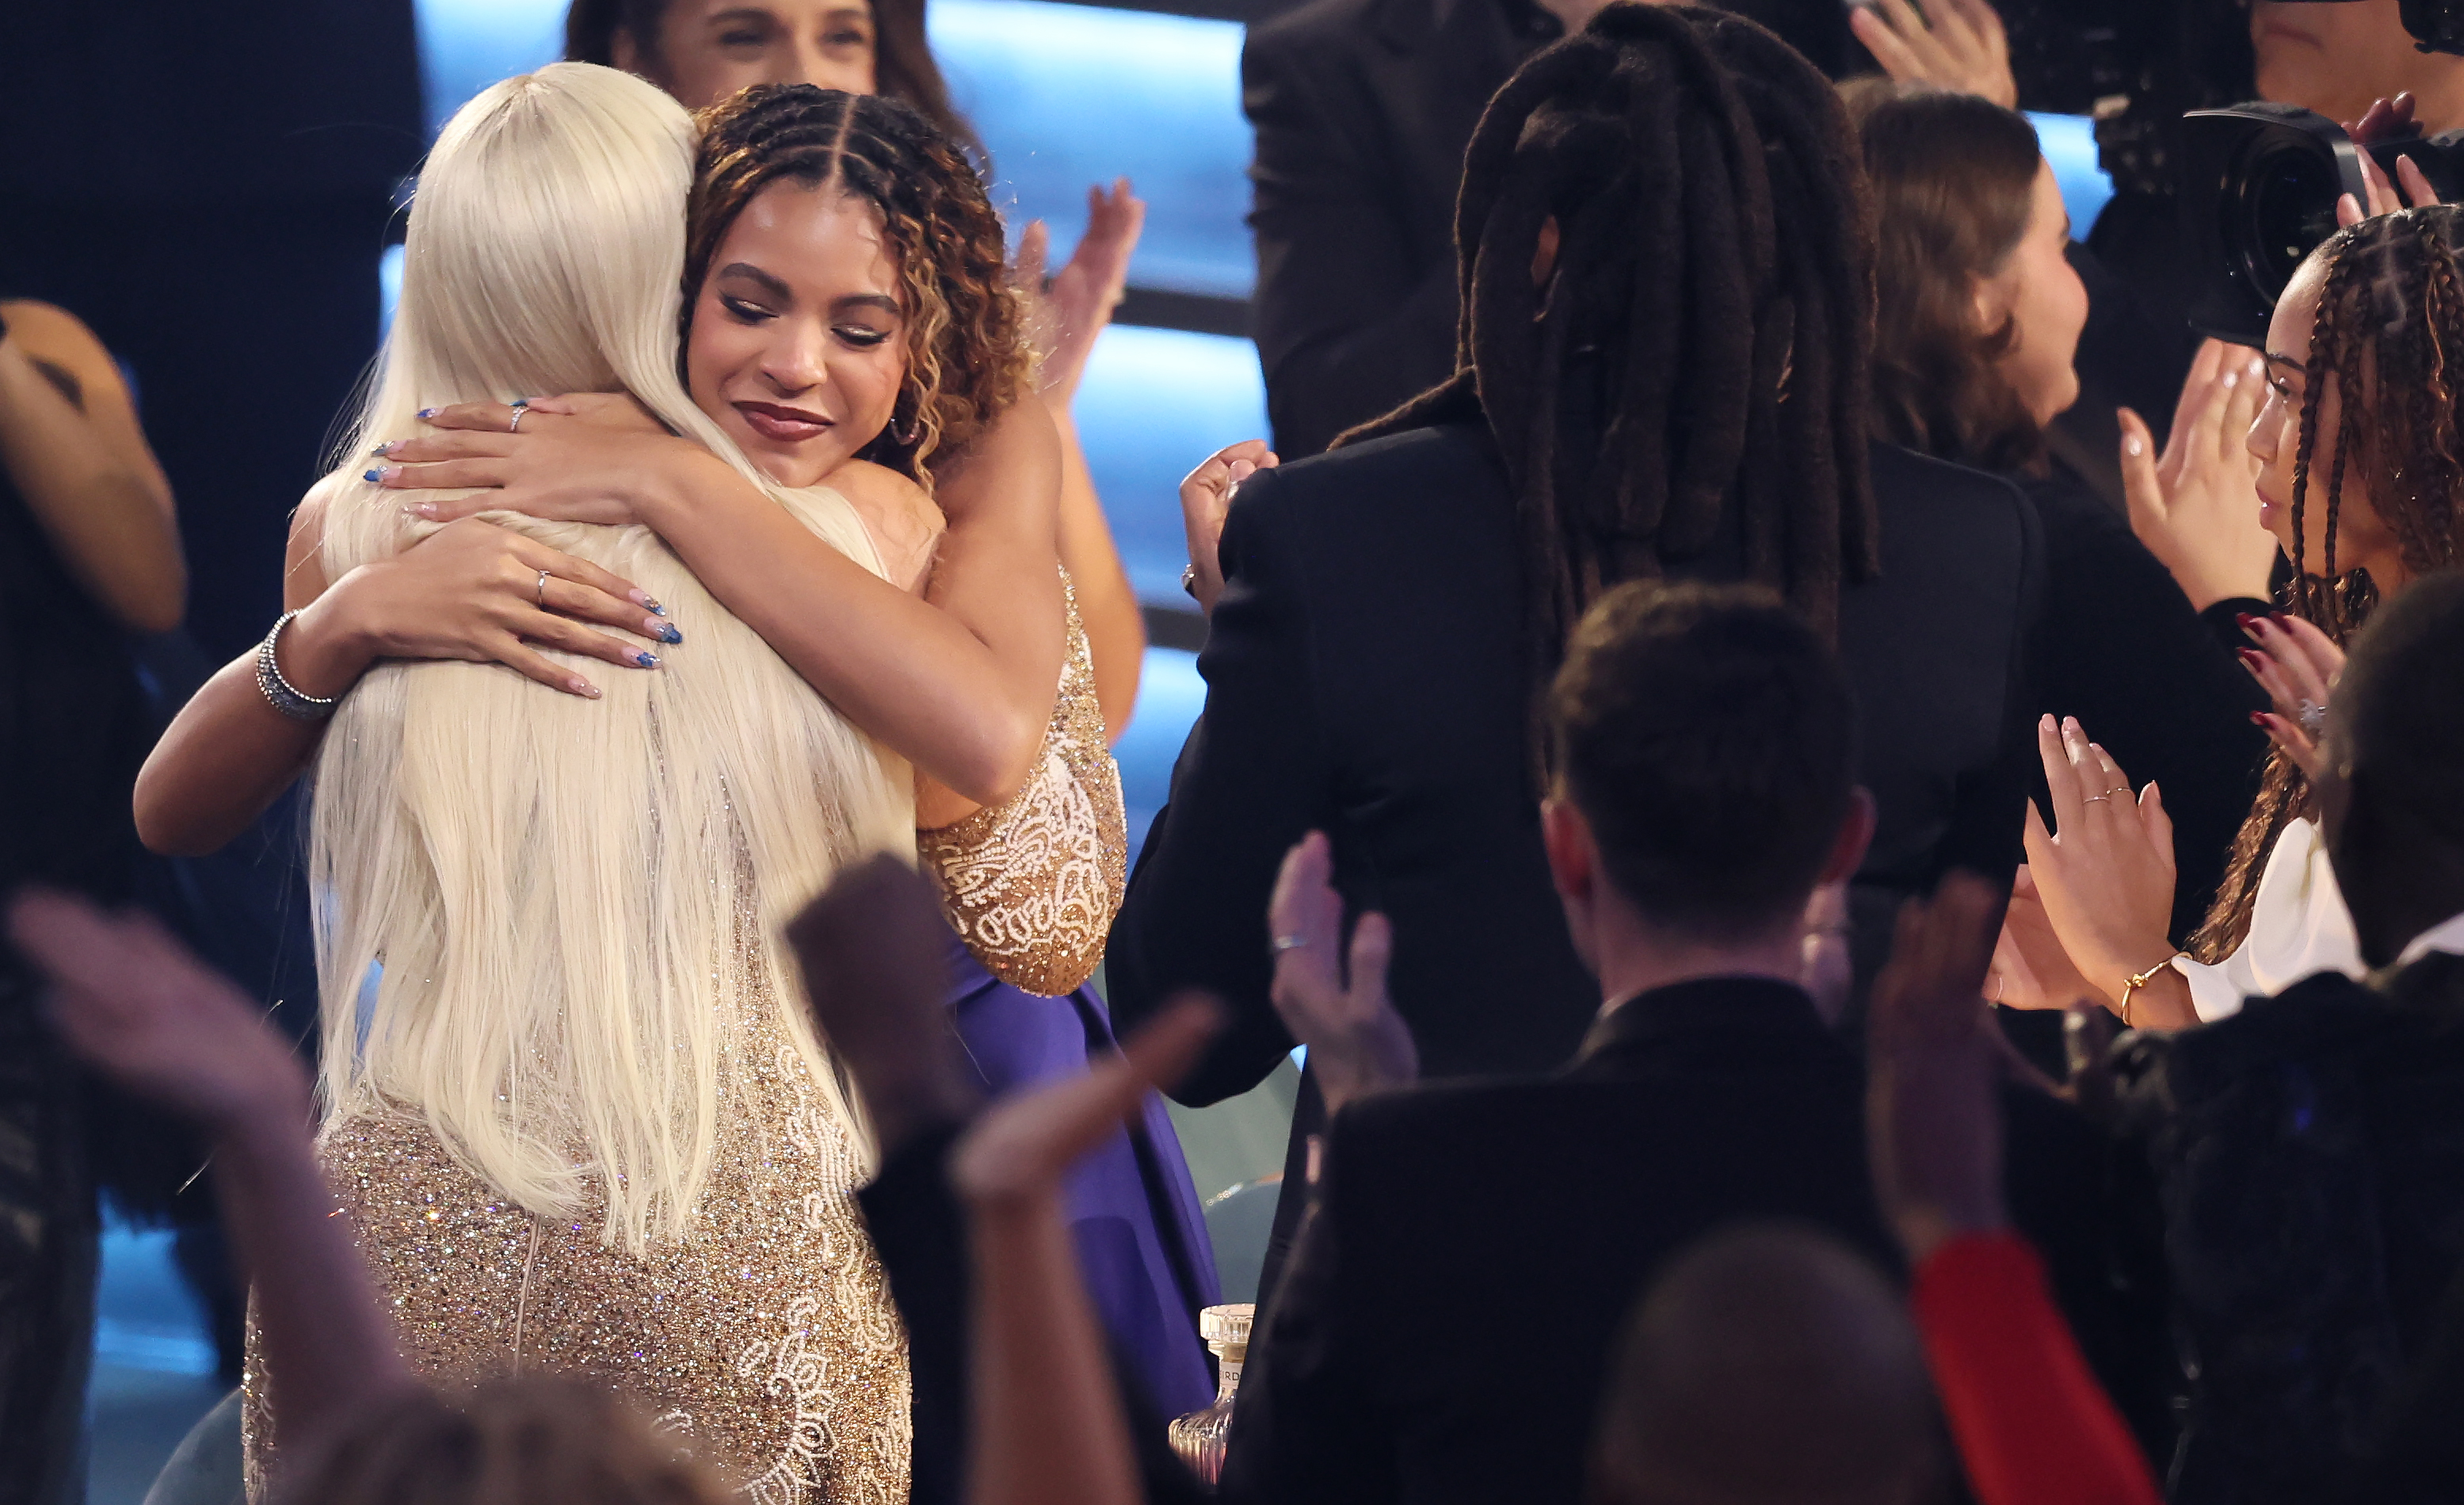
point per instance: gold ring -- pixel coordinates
(2098, 799)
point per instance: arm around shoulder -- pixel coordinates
(230, 754)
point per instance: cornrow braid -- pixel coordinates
(968, 357)
(1696, 369)
(2388, 334)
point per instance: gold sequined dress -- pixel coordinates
(766, 1343)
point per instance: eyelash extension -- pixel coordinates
(866, 338)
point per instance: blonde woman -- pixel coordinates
(574, 1120)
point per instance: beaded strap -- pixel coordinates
(280, 693)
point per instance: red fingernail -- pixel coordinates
(2258, 718)
(2245, 621)
(2249, 660)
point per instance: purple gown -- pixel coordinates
(1134, 1210)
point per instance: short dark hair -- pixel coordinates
(2400, 707)
(1707, 736)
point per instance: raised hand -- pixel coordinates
(1932, 1122)
(1205, 500)
(1954, 44)
(874, 951)
(2197, 506)
(2385, 120)
(2031, 969)
(1079, 300)
(1358, 1042)
(2298, 666)
(133, 1001)
(2105, 869)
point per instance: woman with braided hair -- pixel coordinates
(2361, 451)
(1663, 369)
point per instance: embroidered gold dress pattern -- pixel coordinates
(1031, 884)
(766, 1343)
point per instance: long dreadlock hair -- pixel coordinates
(2390, 333)
(1698, 362)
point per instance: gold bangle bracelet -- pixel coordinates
(2132, 983)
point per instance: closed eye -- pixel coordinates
(862, 337)
(747, 312)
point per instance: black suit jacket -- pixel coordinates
(1362, 110)
(1456, 1294)
(1365, 676)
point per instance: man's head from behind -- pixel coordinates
(1768, 1366)
(1704, 747)
(2391, 788)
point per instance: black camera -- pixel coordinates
(2258, 190)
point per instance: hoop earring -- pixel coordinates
(909, 432)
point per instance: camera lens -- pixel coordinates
(2288, 206)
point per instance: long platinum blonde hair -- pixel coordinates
(573, 905)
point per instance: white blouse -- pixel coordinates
(2299, 926)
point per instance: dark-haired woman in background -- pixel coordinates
(702, 51)
(1980, 316)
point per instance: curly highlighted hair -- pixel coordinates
(968, 353)
(2390, 334)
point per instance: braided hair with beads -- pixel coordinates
(2389, 336)
(1693, 369)
(968, 354)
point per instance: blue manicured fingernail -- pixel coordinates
(647, 660)
(656, 610)
(519, 402)
(668, 634)
(373, 475)
(382, 448)
(425, 412)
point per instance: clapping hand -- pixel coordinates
(2298, 665)
(133, 1001)
(2197, 506)
(1954, 44)
(1358, 1042)
(2385, 120)
(2105, 869)
(1079, 300)
(1935, 1067)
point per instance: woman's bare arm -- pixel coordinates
(69, 439)
(1108, 607)
(469, 591)
(960, 684)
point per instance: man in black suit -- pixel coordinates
(1442, 1332)
(1371, 665)
(1362, 109)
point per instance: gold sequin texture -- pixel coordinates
(766, 1343)
(1031, 884)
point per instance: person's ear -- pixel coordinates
(1544, 255)
(1573, 859)
(1989, 299)
(1855, 834)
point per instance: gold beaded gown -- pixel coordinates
(766, 1344)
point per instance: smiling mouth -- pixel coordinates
(782, 425)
